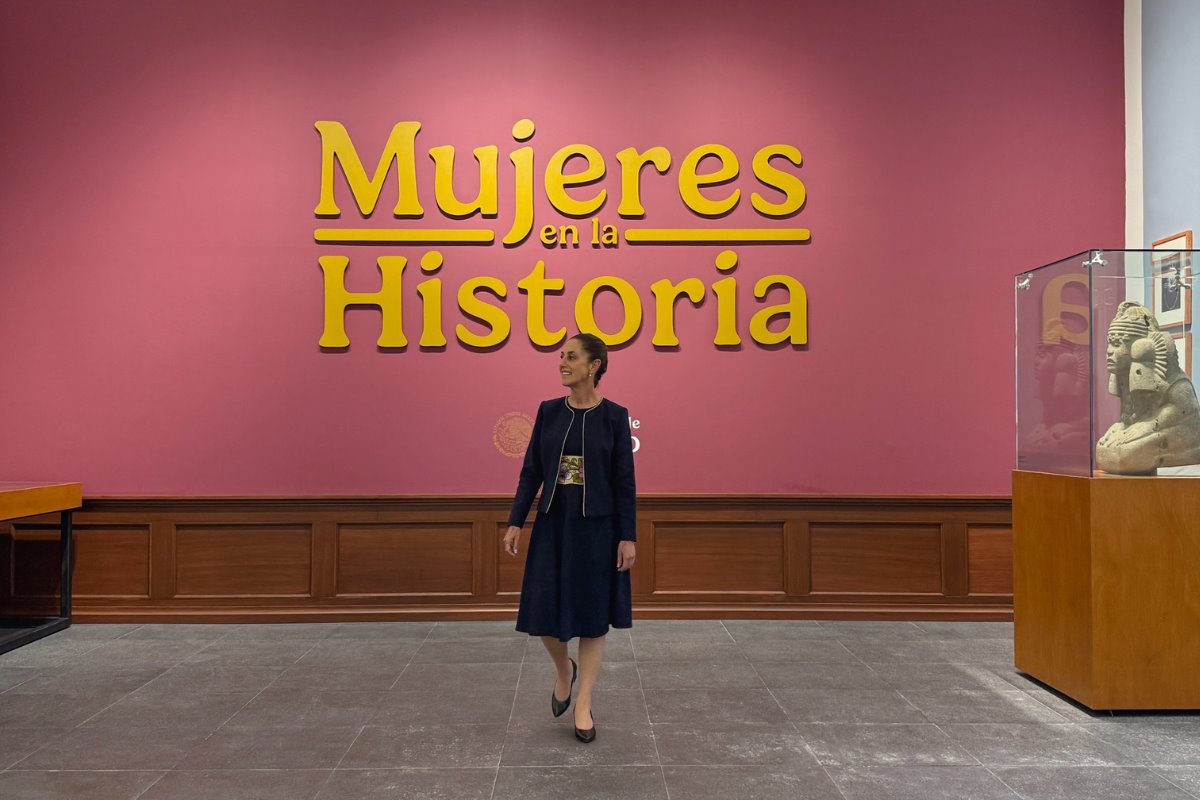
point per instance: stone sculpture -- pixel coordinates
(1160, 417)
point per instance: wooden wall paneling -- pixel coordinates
(698, 556)
(405, 559)
(111, 562)
(162, 559)
(990, 559)
(876, 558)
(325, 558)
(719, 556)
(243, 560)
(486, 540)
(641, 577)
(797, 557)
(954, 559)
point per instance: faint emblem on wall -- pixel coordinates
(511, 434)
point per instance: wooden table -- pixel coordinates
(27, 500)
(1105, 603)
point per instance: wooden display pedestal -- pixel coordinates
(1106, 594)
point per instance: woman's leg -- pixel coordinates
(558, 653)
(591, 655)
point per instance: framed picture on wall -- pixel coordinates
(1172, 280)
(1183, 346)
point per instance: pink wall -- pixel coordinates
(160, 299)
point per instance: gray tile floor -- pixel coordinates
(687, 710)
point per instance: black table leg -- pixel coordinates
(16, 631)
(65, 544)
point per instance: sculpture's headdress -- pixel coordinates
(1133, 321)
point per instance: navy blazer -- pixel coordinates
(608, 484)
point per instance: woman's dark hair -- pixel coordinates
(595, 348)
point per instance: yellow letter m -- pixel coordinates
(400, 147)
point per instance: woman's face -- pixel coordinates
(573, 365)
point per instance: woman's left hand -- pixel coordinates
(626, 553)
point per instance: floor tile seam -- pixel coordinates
(255, 696)
(457, 663)
(837, 787)
(333, 771)
(126, 633)
(101, 711)
(1063, 724)
(779, 705)
(608, 765)
(822, 765)
(15, 685)
(402, 769)
(151, 785)
(942, 731)
(1167, 778)
(409, 663)
(757, 674)
(917, 708)
(1054, 725)
(115, 769)
(410, 727)
(1055, 765)
(94, 646)
(645, 706)
(796, 729)
(512, 710)
(892, 724)
(853, 654)
(1146, 767)
(1063, 717)
(570, 766)
(125, 636)
(204, 769)
(349, 747)
(992, 772)
(903, 663)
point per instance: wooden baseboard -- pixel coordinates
(383, 558)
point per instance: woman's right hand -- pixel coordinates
(510, 539)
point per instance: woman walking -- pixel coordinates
(577, 571)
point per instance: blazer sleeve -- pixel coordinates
(531, 476)
(624, 485)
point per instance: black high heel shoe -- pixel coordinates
(589, 735)
(559, 707)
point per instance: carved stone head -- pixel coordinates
(1140, 355)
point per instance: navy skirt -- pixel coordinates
(571, 586)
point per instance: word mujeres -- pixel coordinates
(574, 194)
(536, 285)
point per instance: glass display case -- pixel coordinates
(1105, 362)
